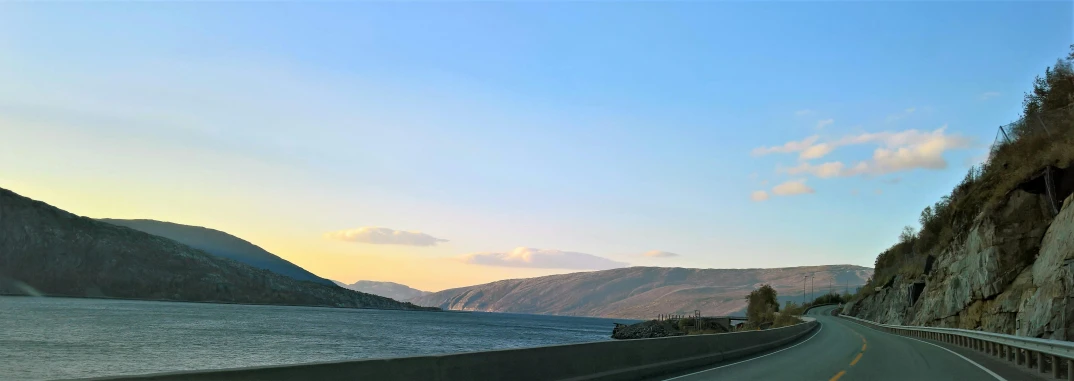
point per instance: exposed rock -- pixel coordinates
(664, 328)
(645, 330)
(1011, 273)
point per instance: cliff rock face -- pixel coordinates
(47, 251)
(642, 292)
(1012, 273)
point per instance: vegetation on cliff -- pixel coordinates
(1043, 136)
(47, 251)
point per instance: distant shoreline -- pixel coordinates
(221, 302)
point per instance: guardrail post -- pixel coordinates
(1055, 366)
(1070, 369)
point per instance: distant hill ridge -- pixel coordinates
(386, 289)
(49, 251)
(642, 292)
(221, 244)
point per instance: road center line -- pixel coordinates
(856, 359)
(837, 375)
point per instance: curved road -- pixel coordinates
(841, 350)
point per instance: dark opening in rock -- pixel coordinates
(915, 291)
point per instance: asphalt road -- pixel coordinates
(841, 350)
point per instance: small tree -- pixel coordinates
(762, 304)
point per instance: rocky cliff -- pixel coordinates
(47, 251)
(642, 292)
(997, 253)
(1012, 273)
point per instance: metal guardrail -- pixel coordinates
(1030, 352)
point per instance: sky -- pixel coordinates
(445, 144)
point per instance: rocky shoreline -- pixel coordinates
(667, 328)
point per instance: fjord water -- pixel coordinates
(56, 338)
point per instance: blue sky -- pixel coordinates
(591, 132)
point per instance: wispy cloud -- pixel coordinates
(893, 180)
(824, 123)
(897, 151)
(816, 151)
(659, 254)
(803, 112)
(905, 113)
(988, 95)
(759, 195)
(789, 147)
(826, 170)
(543, 259)
(384, 236)
(792, 187)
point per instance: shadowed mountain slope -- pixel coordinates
(220, 244)
(45, 250)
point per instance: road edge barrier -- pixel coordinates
(1029, 352)
(602, 360)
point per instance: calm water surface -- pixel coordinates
(55, 338)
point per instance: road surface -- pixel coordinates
(841, 350)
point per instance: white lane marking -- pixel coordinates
(963, 357)
(724, 366)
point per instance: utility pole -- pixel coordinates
(803, 289)
(812, 277)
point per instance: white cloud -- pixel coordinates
(816, 151)
(787, 147)
(803, 112)
(543, 259)
(384, 236)
(659, 254)
(826, 170)
(824, 123)
(792, 187)
(759, 195)
(878, 191)
(988, 95)
(898, 151)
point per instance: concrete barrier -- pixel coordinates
(605, 360)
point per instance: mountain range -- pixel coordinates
(47, 251)
(644, 292)
(387, 289)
